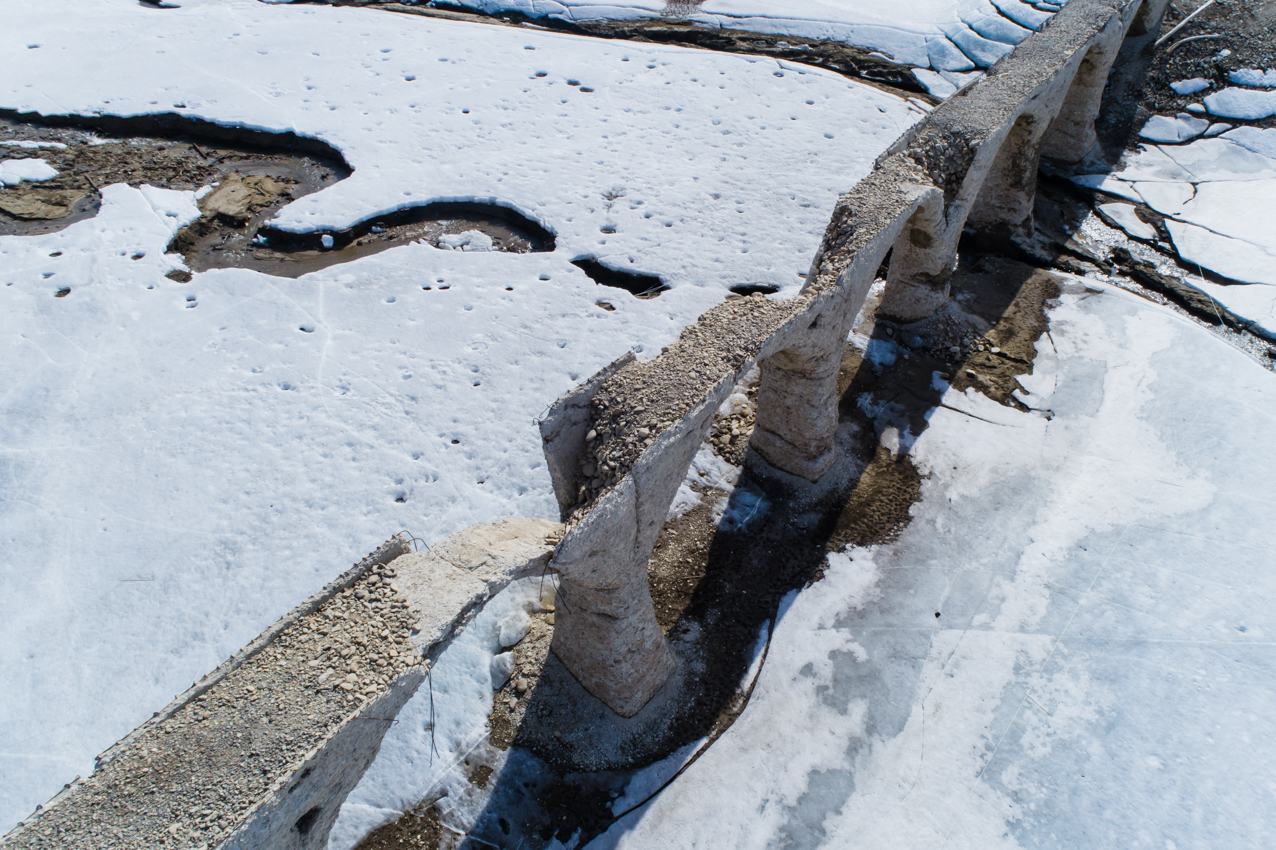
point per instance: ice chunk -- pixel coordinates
(513, 628)
(934, 83)
(470, 240)
(1254, 78)
(1252, 138)
(1217, 130)
(502, 668)
(14, 171)
(1180, 128)
(1245, 104)
(1127, 220)
(326, 241)
(26, 143)
(1191, 86)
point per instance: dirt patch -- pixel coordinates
(416, 829)
(252, 183)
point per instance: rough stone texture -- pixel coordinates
(261, 753)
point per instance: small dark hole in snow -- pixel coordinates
(390, 300)
(63, 292)
(640, 285)
(137, 256)
(306, 329)
(56, 254)
(427, 288)
(755, 289)
(448, 286)
(608, 306)
(586, 89)
(573, 82)
(48, 275)
(456, 442)
(179, 275)
(509, 289)
(936, 614)
(505, 826)
(401, 499)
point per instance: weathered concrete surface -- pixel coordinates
(261, 752)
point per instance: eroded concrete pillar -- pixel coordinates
(797, 393)
(922, 259)
(1071, 135)
(605, 629)
(1004, 207)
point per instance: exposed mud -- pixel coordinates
(253, 179)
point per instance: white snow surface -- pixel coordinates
(1191, 86)
(950, 35)
(27, 143)
(14, 171)
(1123, 215)
(181, 464)
(1180, 128)
(1102, 666)
(1218, 196)
(1245, 104)
(1253, 77)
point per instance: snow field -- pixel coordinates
(181, 464)
(1099, 669)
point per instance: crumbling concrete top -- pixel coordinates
(645, 398)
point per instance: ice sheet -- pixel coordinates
(1219, 196)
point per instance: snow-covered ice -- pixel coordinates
(948, 35)
(1218, 195)
(1191, 86)
(1180, 128)
(1253, 77)
(1124, 216)
(1244, 104)
(1101, 668)
(14, 171)
(184, 463)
